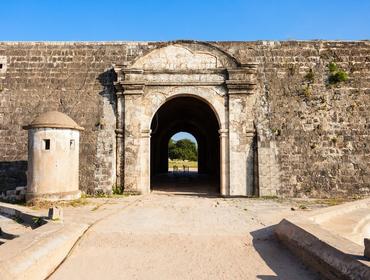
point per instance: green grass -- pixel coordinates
(180, 163)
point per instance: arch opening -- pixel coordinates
(182, 154)
(196, 117)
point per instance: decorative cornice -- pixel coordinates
(174, 72)
(133, 88)
(239, 80)
(170, 84)
(240, 87)
(242, 80)
(127, 71)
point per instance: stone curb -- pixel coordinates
(37, 254)
(32, 219)
(315, 247)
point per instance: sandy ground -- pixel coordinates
(177, 236)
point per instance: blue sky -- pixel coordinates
(183, 135)
(98, 20)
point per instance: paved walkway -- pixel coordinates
(173, 236)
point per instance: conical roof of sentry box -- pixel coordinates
(53, 119)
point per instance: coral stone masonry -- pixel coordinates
(270, 118)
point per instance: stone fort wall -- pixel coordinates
(315, 138)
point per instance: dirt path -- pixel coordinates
(185, 237)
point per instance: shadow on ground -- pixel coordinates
(7, 236)
(186, 183)
(275, 255)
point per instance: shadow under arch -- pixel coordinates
(175, 95)
(193, 115)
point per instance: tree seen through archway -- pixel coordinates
(182, 153)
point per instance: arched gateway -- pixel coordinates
(194, 87)
(194, 115)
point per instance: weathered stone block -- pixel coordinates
(55, 213)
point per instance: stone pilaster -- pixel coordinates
(144, 186)
(120, 139)
(241, 85)
(224, 162)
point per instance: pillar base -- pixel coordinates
(32, 197)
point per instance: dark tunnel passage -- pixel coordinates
(192, 115)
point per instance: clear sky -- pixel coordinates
(143, 20)
(183, 135)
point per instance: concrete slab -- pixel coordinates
(322, 247)
(37, 254)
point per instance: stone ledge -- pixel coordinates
(37, 254)
(27, 216)
(318, 249)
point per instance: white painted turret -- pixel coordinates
(53, 158)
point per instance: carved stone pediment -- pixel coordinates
(186, 64)
(176, 58)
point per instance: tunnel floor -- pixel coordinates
(190, 183)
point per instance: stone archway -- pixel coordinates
(194, 115)
(186, 69)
